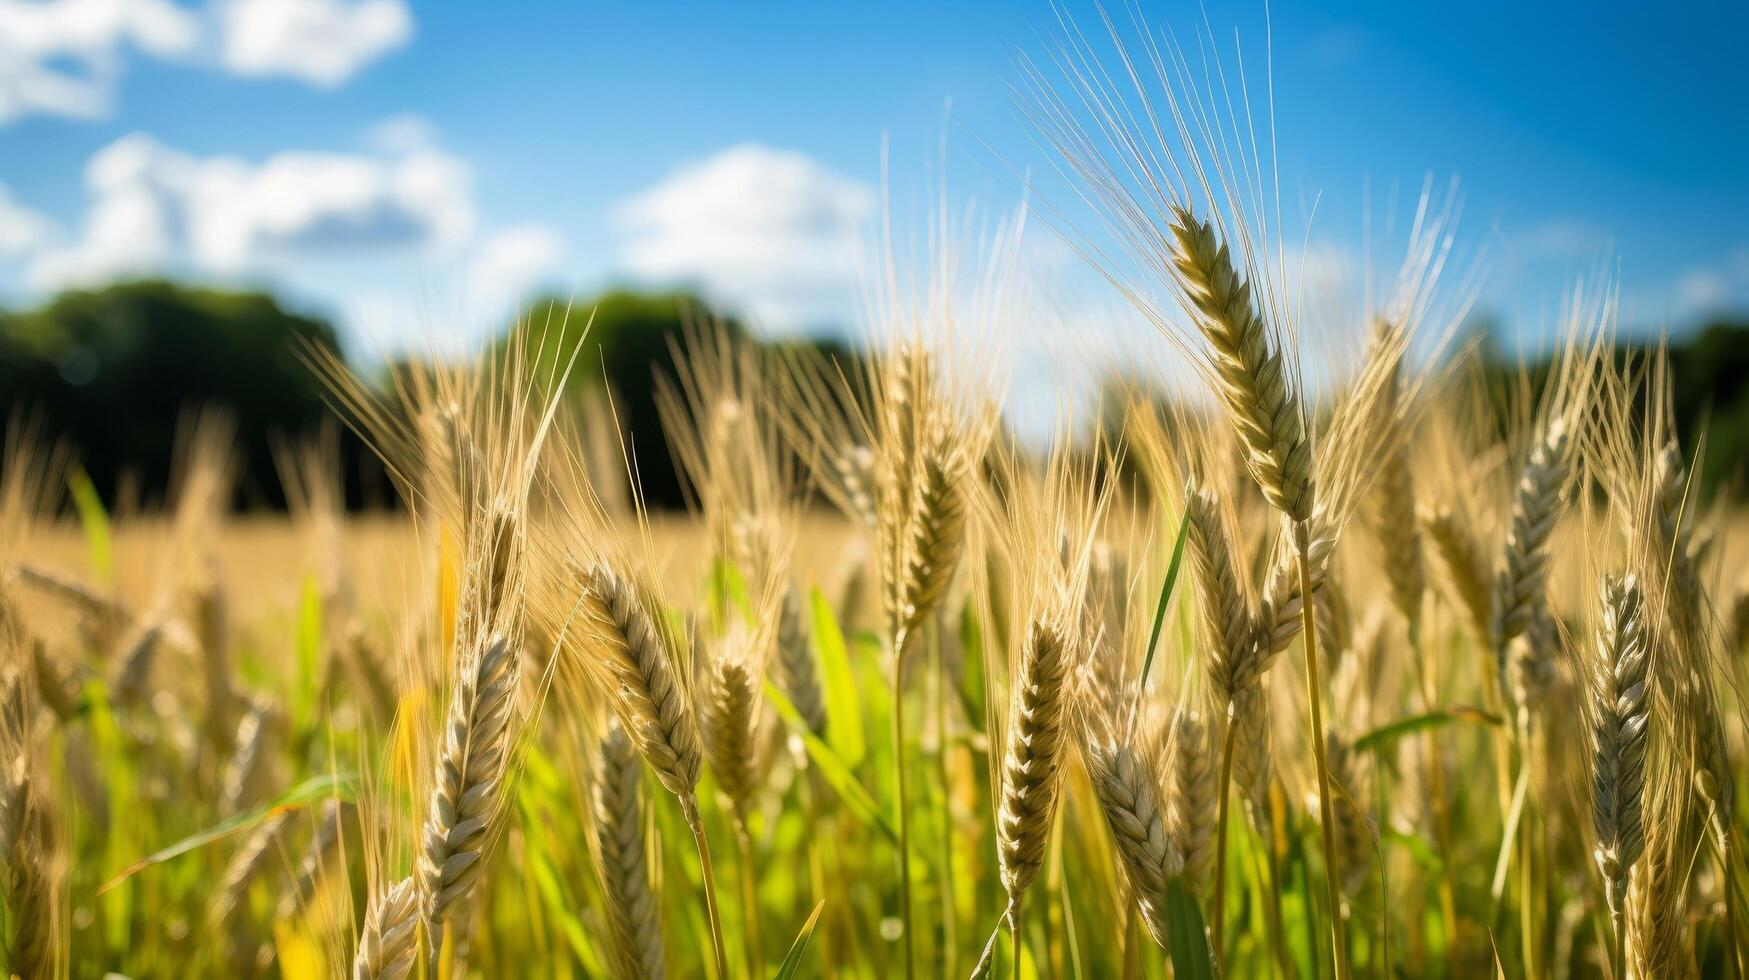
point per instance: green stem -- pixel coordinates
(904, 805)
(1219, 907)
(1014, 933)
(1314, 698)
(689, 810)
(949, 905)
(749, 898)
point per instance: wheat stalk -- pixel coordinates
(469, 778)
(634, 917)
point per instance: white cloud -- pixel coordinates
(771, 231)
(21, 229)
(62, 57)
(323, 42)
(509, 263)
(1699, 290)
(65, 57)
(152, 205)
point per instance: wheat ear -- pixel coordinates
(324, 841)
(1354, 828)
(244, 771)
(1466, 571)
(796, 668)
(730, 715)
(470, 775)
(1127, 785)
(30, 914)
(936, 537)
(1524, 563)
(1191, 770)
(655, 710)
(652, 704)
(1658, 945)
(1032, 757)
(1253, 382)
(1619, 709)
(246, 865)
(388, 943)
(634, 917)
(1394, 523)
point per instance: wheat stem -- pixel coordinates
(1315, 702)
(695, 823)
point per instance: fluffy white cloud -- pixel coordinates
(323, 42)
(65, 57)
(62, 57)
(772, 231)
(152, 205)
(21, 229)
(509, 263)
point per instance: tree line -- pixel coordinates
(116, 372)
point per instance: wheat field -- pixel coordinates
(1313, 665)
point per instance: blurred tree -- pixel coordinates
(113, 370)
(627, 339)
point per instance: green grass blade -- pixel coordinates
(1191, 957)
(837, 774)
(303, 794)
(792, 961)
(1389, 732)
(1166, 588)
(94, 523)
(843, 699)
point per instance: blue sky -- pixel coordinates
(414, 169)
